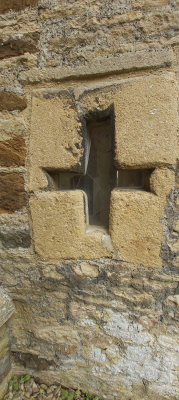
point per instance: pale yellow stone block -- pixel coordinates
(59, 228)
(55, 140)
(135, 226)
(145, 122)
(145, 111)
(58, 223)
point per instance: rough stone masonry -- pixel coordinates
(85, 307)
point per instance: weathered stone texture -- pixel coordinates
(14, 231)
(152, 106)
(148, 4)
(60, 217)
(10, 101)
(12, 193)
(6, 310)
(11, 127)
(148, 138)
(8, 5)
(100, 66)
(116, 319)
(6, 307)
(135, 226)
(145, 140)
(12, 152)
(19, 44)
(56, 136)
(94, 310)
(117, 28)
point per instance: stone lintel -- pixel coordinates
(111, 65)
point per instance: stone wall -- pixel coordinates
(95, 310)
(6, 311)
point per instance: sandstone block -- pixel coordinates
(10, 101)
(58, 223)
(145, 113)
(56, 141)
(12, 193)
(161, 181)
(12, 152)
(147, 138)
(19, 44)
(135, 226)
(7, 5)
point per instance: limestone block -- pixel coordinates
(145, 113)
(56, 141)
(58, 223)
(12, 193)
(12, 152)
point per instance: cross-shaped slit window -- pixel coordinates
(101, 176)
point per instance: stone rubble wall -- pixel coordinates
(104, 324)
(6, 311)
